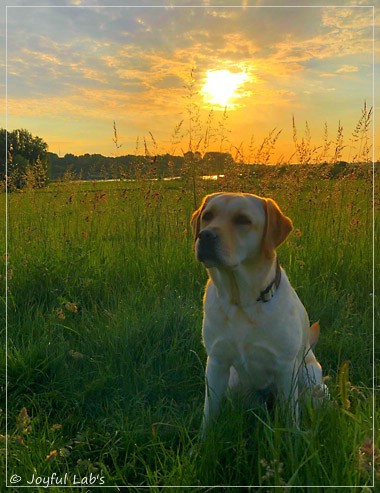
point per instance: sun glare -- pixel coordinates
(221, 86)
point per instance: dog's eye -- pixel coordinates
(241, 219)
(207, 216)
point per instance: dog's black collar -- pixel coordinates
(268, 293)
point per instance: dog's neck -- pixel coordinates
(242, 286)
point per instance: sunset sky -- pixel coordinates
(72, 71)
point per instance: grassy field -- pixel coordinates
(105, 359)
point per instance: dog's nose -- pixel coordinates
(207, 236)
(207, 247)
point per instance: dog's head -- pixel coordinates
(231, 228)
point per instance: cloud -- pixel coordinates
(355, 17)
(347, 69)
(87, 41)
(96, 63)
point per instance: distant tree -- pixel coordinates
(217, 162)
(27, 158)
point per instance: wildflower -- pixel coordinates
(272, 469)
(369, 457)
(301, 264)
(23, 422)
(60, 314)
(77, 356)
(355, 222)
(17, 439)
(71, 307)
(99, 196)
(64, 452)
(51, 456)
(56, 426)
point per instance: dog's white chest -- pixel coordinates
(253, 340)
(246, 343)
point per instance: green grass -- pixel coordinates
(104, 339)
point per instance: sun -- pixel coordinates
(221, 86)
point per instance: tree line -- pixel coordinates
(131, 167)
(26, 157)
(31, 164)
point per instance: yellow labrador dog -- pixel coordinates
(255, 329)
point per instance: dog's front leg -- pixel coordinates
(217, 375)
(288, 388)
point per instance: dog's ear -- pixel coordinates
(277, 227)
(195, 221)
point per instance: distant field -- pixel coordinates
(105, 360)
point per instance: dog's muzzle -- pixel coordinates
(207, 248)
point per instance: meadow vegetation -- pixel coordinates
(105, 362)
